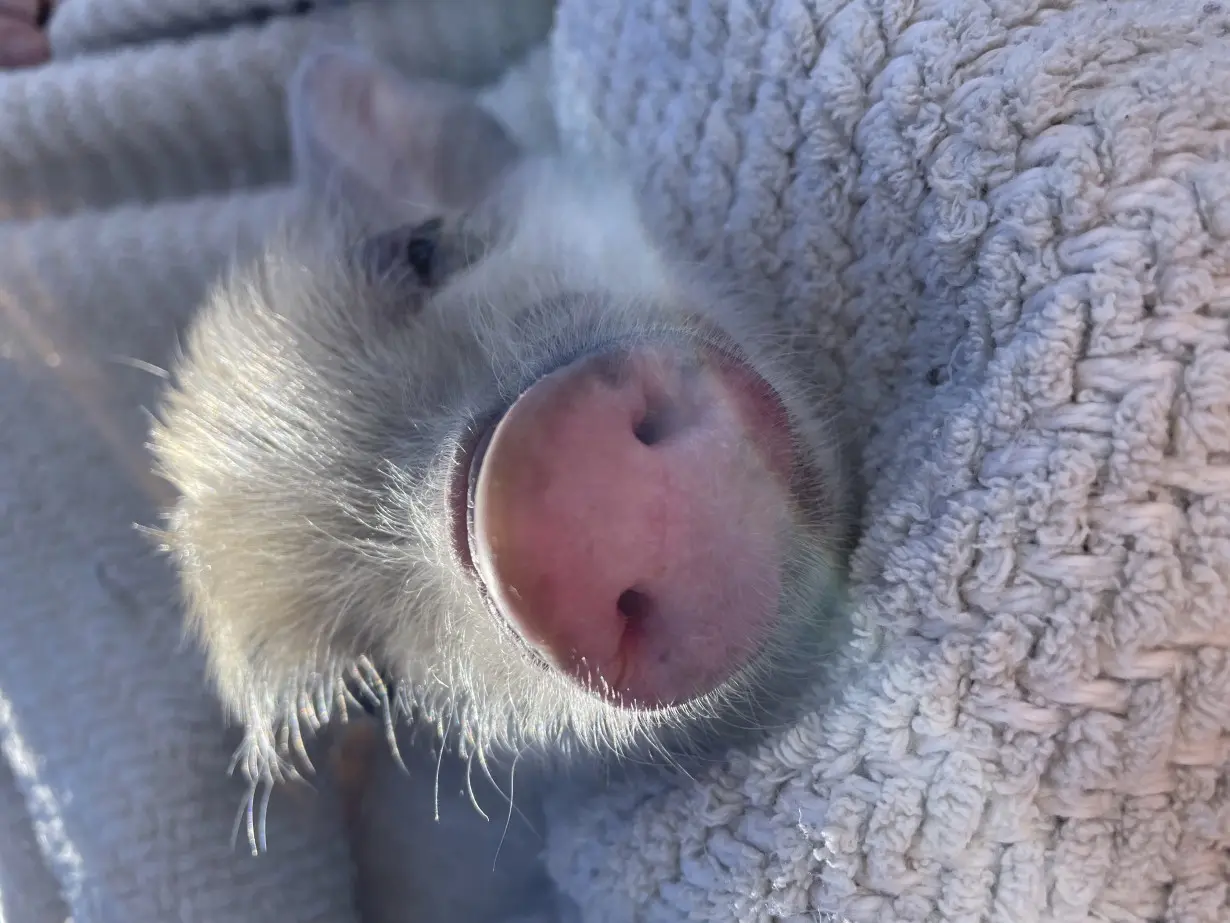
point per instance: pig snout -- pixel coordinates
(630, 516)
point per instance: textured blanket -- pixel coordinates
(1003, 231)
(137, 164)
(1003, 227)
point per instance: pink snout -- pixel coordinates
(631, 516)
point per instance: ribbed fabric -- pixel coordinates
(129, 177)
(179, 118)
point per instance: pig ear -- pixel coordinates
(388, 149)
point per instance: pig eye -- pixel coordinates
(406, 253)
(420, 249)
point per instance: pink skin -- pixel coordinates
(650, 572)
(23, 43)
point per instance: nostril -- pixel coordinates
(661, 419)
(633, 605)
(650, 430)
(671, 397)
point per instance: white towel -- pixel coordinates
(115, 802)
(1003, 228)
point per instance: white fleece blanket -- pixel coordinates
(1003, 230)
(1003, 227)
(115, 802)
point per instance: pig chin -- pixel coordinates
(629, 516)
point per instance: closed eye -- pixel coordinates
(405, 254)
